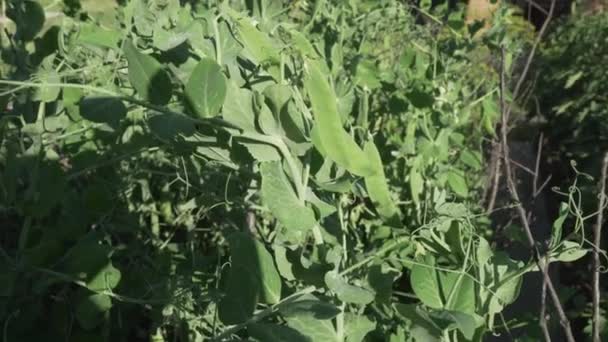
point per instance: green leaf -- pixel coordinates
(310, 306)
(425, 284)
(251, 255)
(420, 99)
(258, 45)
(556, 232)
(170, 126)
(95, 35)
(241, 296)
(166, 40)
(147, 76)
(314, 329)
(91, 310)
(336, 143)
(568, 251)
(29, 17)
(458, 184)
(346, 292)
(453, 210)
(357, 327)
(377, 186)
(267, 332)
(260, 151)
(206, 89)
(103, 109)
(104, 279)
(238, 110)
(422, 328)
(47, 93)
(366, 74)
(279, 195)
(466, 323)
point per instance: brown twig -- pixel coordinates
(495, 176)
(542, 320)
(597, 239)
(512, 187)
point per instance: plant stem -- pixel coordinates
(597, 235)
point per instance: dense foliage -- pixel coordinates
(263, 170)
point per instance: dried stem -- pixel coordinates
(512, 187)
(495, 176)
(542, 320)
(597, 240)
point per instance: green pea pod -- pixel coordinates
(337, 144)
(377, 187)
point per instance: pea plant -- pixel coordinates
(264, 170)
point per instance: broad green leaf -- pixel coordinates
(91, 310)
(314, 329)
(47, 93)
(170, 126)
(466, 323)
(166, 40)
(453, 210)
(420, 99)
(366, 74)
(88, 261)
(422, 329)
(377, 186)
(312, 307)
(267, 332)
(346, 292)
(229, 45)
(252, 256)
(95, 35)
(301, 43)
(238, 110)
(458, 184)
(147, 76)
(283, 264)
(425, 283)
(337, 144)
(105, 279)
(357, 327)
(568, 251)
(241, 296)
(206, 89)
(260, 151)
(556, 232)
(104, 109)
(29, 17)
(471, 159)
(381, 279)
(258, 45)
(279, 195)
(462, 290)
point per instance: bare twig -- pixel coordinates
(597, 239)
(539, 151)
(495, 167)
(524, 74)
(543, 310)
(512, 187)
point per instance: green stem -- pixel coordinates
(218, 44)
(379, 253)
(264, 313)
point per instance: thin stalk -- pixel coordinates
(597, 235)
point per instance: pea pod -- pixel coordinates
(338, 145)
